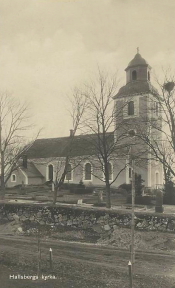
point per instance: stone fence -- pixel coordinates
(97, 219)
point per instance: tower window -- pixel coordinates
(148, 76)
(156, 108)
(134, 75)
(131, 108)
(132, 133)
(130, 172)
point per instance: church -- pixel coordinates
(136, 105)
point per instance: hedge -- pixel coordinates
(142, 200)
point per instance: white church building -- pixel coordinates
(136, 105)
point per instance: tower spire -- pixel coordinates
(137, 50)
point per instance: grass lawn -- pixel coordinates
(81, 266)
(44, 195)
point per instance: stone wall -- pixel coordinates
(97, 219)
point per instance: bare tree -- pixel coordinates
(78, 106)
(102, 122)
(160, 136)
(14, 121)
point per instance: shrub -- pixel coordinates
(169, 199)
(140, 200)
(88, 190)
(22, 192)
(126, 187)
(81, 184)
(16, 187)
(68, 186)
(79, 190)
(138, 185)
(169, 193)
(148, 191)
(98, 204)
(118, 190)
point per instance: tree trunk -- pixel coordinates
(108, 190)
(2, 176)
(56, 188)
(108, 196)
(59, 184)
(55, 196)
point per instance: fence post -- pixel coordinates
(50, 258)
(130, 273)
(39, 253)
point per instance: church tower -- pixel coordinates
(136, 107)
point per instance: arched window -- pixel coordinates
(131, 108)
(148, 76)
(134, 75)
(87, 171)
(50, 172)
(110, 171)
(69, 172)
(13, 178)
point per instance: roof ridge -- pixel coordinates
(64, 137)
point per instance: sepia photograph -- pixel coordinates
(87, 144)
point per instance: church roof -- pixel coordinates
(136, 87)
(60, 147)
(138, 60)
(32, 171)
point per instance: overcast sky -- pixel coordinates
(49, 46)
